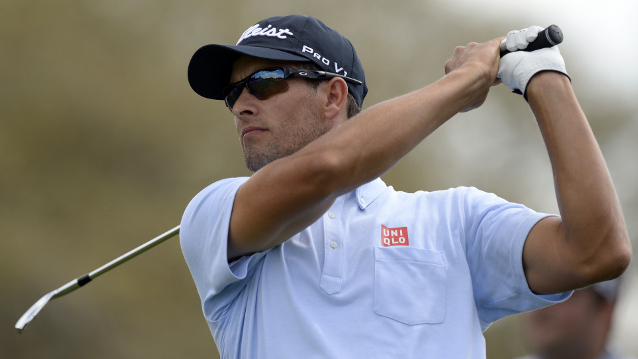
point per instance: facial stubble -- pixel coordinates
(287, 137)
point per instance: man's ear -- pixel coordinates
(336, 97)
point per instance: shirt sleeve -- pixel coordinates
(204, 241)
(495, 235)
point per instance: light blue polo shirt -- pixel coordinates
(382, 274)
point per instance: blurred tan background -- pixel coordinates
(103, 143)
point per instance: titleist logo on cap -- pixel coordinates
(255, 30)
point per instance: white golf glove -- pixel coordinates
(518, 67)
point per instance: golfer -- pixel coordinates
(314, 256)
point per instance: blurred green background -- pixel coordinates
(103, 143)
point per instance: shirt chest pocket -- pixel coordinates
(410, 285)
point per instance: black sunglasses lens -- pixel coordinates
(265, 88)
(233, 94)
(262, 84)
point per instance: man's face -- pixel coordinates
(280, 125)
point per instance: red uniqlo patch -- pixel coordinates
(394, 236)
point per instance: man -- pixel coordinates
(314, 256)
(578, 328)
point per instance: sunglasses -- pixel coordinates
(271, 81)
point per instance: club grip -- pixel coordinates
(549, 37)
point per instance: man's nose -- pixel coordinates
(244, 104)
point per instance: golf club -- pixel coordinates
(28, 316)
(548, 37)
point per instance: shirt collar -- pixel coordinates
(367, 193)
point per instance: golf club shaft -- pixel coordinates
(127, 256)
(69, 287)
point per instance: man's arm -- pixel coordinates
(291, 193)
(589, 243)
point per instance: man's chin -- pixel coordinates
(257, 160)
(255, 163)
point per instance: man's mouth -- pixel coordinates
(250, 131)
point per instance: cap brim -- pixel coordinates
(210, 67)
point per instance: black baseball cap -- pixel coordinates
(294, 38)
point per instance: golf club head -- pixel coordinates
(28, 316)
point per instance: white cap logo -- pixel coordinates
(270, 31)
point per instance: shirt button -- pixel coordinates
(333, 244)
(331, 215)
(362, 201)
